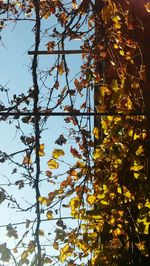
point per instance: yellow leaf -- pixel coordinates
(114, 85)
(97, 154)
(75, 203)
(96, 132)
(117, 232)
(65, 252)
(121, 52)
(102, 91)
(52, 164)
(49, 215)
(24, 255)
(146, 229)
(107, 12)
(61, 68)
(141, 245)
(119, 190)
(116, 19)
(139, 150)
(44, 200)
(41, 150)
(82, 245)
(101, 196)
(47, 14)
(147, 204)
(104, 202)
(136, 175)
(128, 194)
(136, 167)
(91, 199)
(147, 6)
(57, 153)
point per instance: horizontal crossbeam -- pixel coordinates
(57, 52)
(47, 113)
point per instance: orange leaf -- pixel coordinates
(27, 160)
(147, 6)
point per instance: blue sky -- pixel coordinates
(15, 66)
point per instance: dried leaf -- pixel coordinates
(47, 260)
(75, 153)
(27, 160)
(142, 72)
(50, 46)
(27, 223)
(48, 173)
(20, 184)
(61, 140)
(2, 196)
(41, 232)
(55, 245)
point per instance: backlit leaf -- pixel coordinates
(41, 150)
(57, 153)
(147, 6)
(61, 68)
(136, 167)
(91, 199)
(24, 255)
(65, 252)
(96, 132)
(49, 215)
(107, 11)
(44, 200)
(52, 164)
(140, 150)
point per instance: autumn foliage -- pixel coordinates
(105, 184)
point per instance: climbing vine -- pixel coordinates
(104, 186)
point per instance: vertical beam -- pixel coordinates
(99, 31)
(99, 68)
